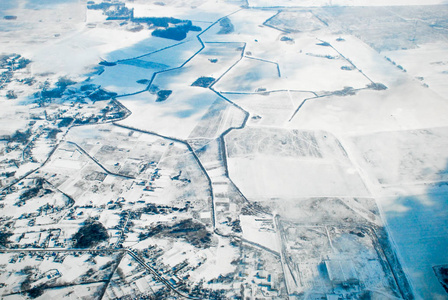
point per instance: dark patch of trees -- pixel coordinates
(120, 13)
(442, 275)
(11, 95)
(88, 87)
(52, 133)
(35, 190)
(90, 234)
(204, 82)
(153, 209)
(377, 86)
(107, 64)
(226, 26)
(143, 81)
(57, 92)
(101, 94)
(100, 6)
(193, 232)
(36, 291)
(176, 33)
(236, 226)
(63, 82)
(13, 62)
(22, 63)
(53, 93)
(8, 174)
(28, 81)
(358, 233)
(286, 39)
(162, 95)
(4, 238)
(65, 122)
(325, 44)
(86, 121)
(346, 91)
(20, 137)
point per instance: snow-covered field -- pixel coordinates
(308, 3)
(267, 152)
(427, 63)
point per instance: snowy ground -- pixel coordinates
(279, 139)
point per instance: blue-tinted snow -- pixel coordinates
(421, 236)
(45, 4)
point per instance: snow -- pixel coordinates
(255, 230)
(402, 107)
(265, 177)
(427, 63)
(122, 78)
(307, 3)
(12, 118)
(273, 163)
(218, 261)
(421, 237)
(306, 152)
(65, 163)
(186, 108)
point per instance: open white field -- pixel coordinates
(175, 117)
(308, 3)
(260, 231)
(250, 75)
(389, 28)
(412, 157)
(269, 109)
(427, 63)
(267, 177)
(13, 118)
(272, 163)
(220, 117)
(404, 107)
